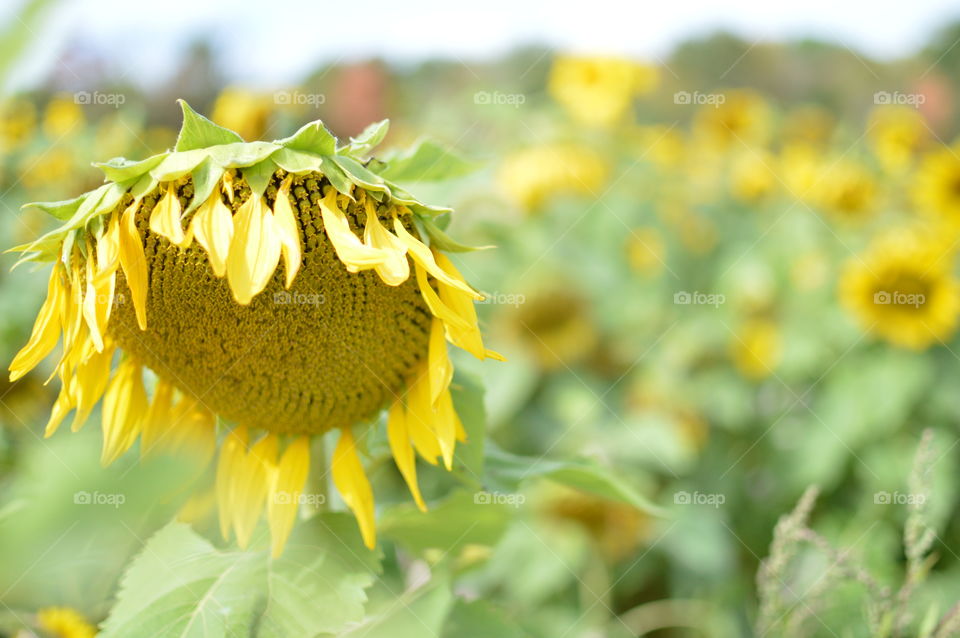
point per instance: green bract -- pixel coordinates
(204, 151)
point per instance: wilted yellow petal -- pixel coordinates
(124, 405)
(134, 263)
(424, 257)
(91, 377)
(437, 307)
(157, 417)
(420, 418)
(289, 477)
(354, 254)
(395, 269)
(445, 425)
(251, 491)
(254, 250)
(213, 228)
(289, 231)
(438, 361)
(61, 408)
(402, 450)
(46, 329)
(228, 476)
(352, 483)
(108, 249)
(165, 218)
(97, 302)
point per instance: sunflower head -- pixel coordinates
(273, 290)
(902, 289)
(598, 91)
(937, 186)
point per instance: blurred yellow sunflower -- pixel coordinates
(556, 327)
(598, 91)
(756, 348)
(903, 289)
(62, 117)
(283, 287)
(243, 111)
(896, 133)
(530, 176)
(64, 622)
(937, 185)
(752, 177)
(846, 190)
(617, 529)
(18, 119)
(741, 118)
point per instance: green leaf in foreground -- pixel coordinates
(181, 585)
(427, 161)
(506, 471)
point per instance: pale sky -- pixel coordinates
(275, 43)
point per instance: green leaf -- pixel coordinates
(443, 241)
(199, 132)
(205, 176)
(62, 210)
(368, 138)
(460, 520)
(427, 161)
(120, 169)
(359, 174)
(416, 614)
(507, 471)
(258, 176)
(467, 393)
(479, 619)
(311, 138)
(181, 585)
(294, 161)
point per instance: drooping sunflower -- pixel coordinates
(903, 289)
(285, 288)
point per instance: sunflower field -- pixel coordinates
(557, 344)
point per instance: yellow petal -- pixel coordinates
(97, 302)
(46, 329)
(251, 491)
(124, 404)
(165, 218)
(402, 450)
(134, 263)
(354, 254)
(422, 255)
(228, 476)
(190, 431)
(289, 478)
(157, 417)
(420, 417)
(61, 408)
(439, 366)
(289, 231)
(437, 307)
(213, 228)
(445, 425)
(254, 250)
(352, 483)
(108, 249)
(395, 269)
(91, 377)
